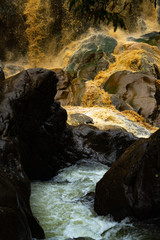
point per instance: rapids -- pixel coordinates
(49, 38)
(66, 211)
(64, 205)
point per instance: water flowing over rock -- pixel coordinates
(131, 187)
(34, 136)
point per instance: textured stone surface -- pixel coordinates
(132, 187)
(136, 89)
(92, 56)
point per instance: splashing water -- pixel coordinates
(38, 20)
(66, 211)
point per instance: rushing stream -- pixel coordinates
(64, 205)
(65, 211)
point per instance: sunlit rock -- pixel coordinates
(70, 90)
(136, 89)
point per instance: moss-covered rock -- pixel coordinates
(93, 55)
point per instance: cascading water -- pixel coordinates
(64, 206)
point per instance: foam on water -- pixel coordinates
(64, 210)
(61, 205)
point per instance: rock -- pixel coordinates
(136, 89)
(15, 209)
(35, 121)
(92, 56)
(152, 38)
(69, 90)
(98, 145)
(132, 187)
(119, 103)
(11, 69)
(79, 118)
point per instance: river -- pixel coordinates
(64, 205)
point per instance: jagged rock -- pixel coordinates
(132, 187)
(136, 89)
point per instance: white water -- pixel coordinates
(64, 212)
(61, 204)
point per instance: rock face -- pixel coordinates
(132, 187)
(22, 97)
(136, 89)
(69, 90)
(98, 145)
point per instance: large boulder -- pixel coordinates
(93, 55)
(136, 89)
(34, 121)
(132, 187)
(101, 145)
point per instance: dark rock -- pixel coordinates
(120, 104)
(132, 187)
(98, 145)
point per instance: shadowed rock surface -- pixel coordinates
(34, 136)
(132, 187)
(98, 145)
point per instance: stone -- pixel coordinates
(69, 90)
(93, 55)
(79, 118)
(104, 146)
(136, 89)
(131, 188)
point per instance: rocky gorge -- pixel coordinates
(80, 114)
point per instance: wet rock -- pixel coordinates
(69, 90)
(92, 56)
(136, 89)
(79, 118)
(152, 38)
(25, 103)
(11, 69)
(98, 145)
(132, 187)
